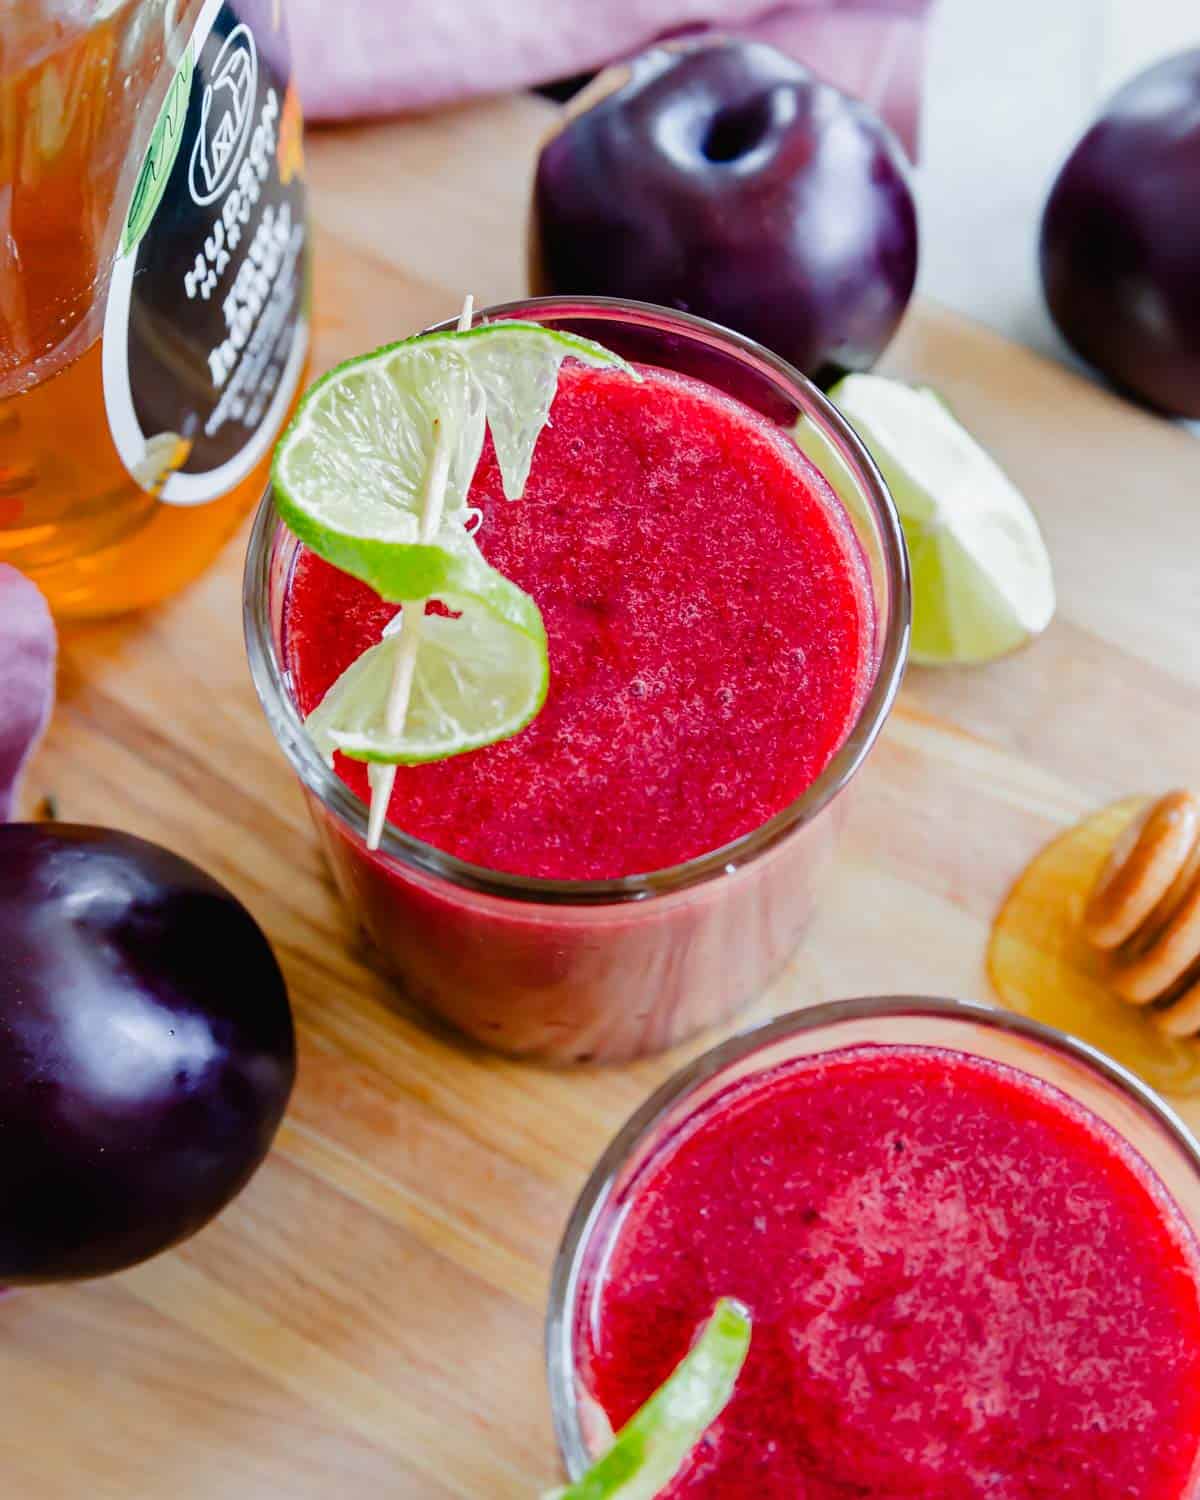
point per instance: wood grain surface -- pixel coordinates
(366, 1319)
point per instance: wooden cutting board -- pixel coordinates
(366, 1320)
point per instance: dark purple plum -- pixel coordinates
(146, 1050)
(725, 179)
(1120, 239)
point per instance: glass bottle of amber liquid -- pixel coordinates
(153, 286)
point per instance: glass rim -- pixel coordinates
(565, 1275)
(286, 724)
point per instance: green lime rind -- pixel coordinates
(160, 154)
(405, 571)
(350, 476)
(480, 675)
(350, 471)
(654, 1444)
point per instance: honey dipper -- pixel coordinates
(1144, 911)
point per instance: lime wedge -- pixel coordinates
(480, 675)
(982, 581)
(349, 472)
(654, 1444)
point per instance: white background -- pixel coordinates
(1010, 86)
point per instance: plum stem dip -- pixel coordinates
(964, 1284)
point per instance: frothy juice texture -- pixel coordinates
(964, 1287)
(711, 636)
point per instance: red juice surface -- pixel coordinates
(711, 637)
(964, 1287)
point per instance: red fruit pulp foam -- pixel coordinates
(964, 1286)
(711, 637)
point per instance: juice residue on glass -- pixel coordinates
(964, 1286)
(711, 637)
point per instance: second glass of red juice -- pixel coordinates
(726, 637)
(967, 1243)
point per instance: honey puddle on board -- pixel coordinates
(1041, 965)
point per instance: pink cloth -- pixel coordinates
(27, 652)
(365, 57)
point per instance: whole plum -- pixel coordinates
(146, 1050)
(1120, 239)
(725, 179)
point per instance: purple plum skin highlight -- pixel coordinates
(146, 1050)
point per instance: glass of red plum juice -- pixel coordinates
(967, 1244)
(726, 637)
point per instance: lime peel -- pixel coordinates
(652, 1447)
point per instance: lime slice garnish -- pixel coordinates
(480, 675)
(654, 1444)
(350, 470)
(373, 474)
(982, 581)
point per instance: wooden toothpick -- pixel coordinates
(412, 611)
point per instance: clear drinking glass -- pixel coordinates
(601, 969)
(1121, 1100)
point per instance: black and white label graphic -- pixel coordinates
(205, 331)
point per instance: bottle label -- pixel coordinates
(205, 332)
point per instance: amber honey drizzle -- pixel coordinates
(1041, 964)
